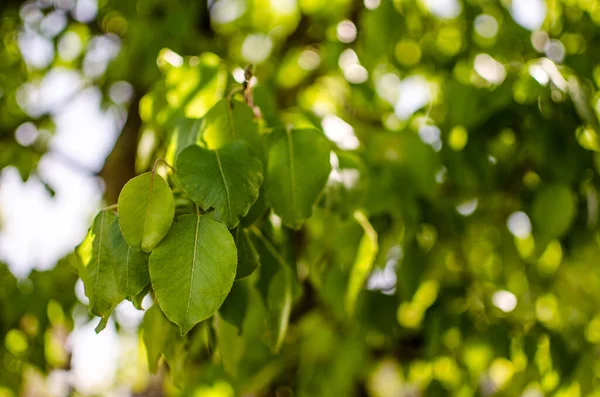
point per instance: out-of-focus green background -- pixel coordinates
(470, 129)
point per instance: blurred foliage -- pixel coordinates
(467, 143)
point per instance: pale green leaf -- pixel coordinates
(193, 269)
(193, 89)
(227, 121)
(298, 168)
(363, 264)
(226, 179)
(146, 209)
(130, 265)
(184, 133)
(97, 271)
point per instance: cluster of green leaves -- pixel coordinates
(476, 215)
(228, 174)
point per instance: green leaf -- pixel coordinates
(146, 209)
(554, 210)
(130, 265)
(297, 172)
(367, 252)
(275, 286)
(158, 333)
(97, 271)
(227, 121)
(248, 258)
(258, 209)
(139, 298)
(226, 179)
(184, 134)
(193, 269)
(234, 308)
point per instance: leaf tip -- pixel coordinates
(102, 324)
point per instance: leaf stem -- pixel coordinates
(164, 162)
(268, 245)
(110, 207)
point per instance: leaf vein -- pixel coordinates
(224, 183)
(290, 145)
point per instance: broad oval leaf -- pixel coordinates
(227, 121)
(298, 170)
(130, 265)
(96, 272)
(146, 209)
(192, 270)
(365, 257)
(226, 179)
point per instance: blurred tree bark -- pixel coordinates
(119, 166)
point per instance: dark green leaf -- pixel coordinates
(130, 265)
(97, 271)
(248, 259)
(226, 179)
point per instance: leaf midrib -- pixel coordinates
(290, 145)
(127, 271)
(224, 182)
(99, 251)
(187, 306)
(147, 208)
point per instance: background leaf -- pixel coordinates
(365, 257)
(298, 168)
(248, 259)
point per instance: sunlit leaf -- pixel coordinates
(227, 121)
(146, 209)
(367, 252)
